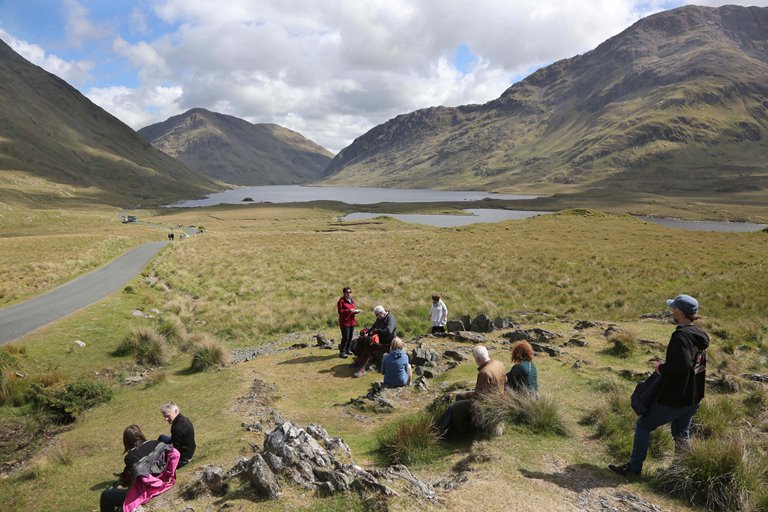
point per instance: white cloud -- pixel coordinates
(332, 69)
(78, 28)
(137, 107)
(69, 70)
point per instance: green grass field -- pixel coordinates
(262, 274)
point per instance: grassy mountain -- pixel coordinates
(233, 150)
(55, 143)
(674, 104)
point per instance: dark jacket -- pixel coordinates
(523, 376)
(183, 438)
(684, 369)
(134, 456)
(386, 328)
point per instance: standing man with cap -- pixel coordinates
(347, 320)
(682, 386)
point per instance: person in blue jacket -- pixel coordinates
(395, 366)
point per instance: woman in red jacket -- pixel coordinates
(347, 321)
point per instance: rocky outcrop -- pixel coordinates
(307, 457)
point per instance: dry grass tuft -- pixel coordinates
(540, 413)
(146, 344)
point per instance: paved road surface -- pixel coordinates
(18, 320)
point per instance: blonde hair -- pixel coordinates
(397, 344)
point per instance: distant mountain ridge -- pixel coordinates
(676, 103)
(235, 151)
(50, 131)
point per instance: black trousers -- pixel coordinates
(112, 499)
(346, 339)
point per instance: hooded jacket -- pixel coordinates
(394, 366)
(684, 370)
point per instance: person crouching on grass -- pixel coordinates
(395, 366)
(682, 386)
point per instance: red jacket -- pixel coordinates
(346, 309)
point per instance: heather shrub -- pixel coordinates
(67, 402)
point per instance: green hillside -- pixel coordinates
(55, 144)
(674, 105)
(235, 151)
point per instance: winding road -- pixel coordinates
(18, 320)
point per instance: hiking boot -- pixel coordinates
(624, 470)
(343, 355)
(359, 373)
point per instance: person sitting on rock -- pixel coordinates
(182, 432)
(397, 372)
(523, 375)
(385, 330)
(491, 378)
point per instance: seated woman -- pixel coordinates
(523, 375)
(150, 469)
(397, 372)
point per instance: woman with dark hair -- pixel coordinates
(148, 459)
(523, 375)
(347, 320)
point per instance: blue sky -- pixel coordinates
(329, 69)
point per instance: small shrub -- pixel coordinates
(761, 500)
(63, 455)
(716, 417)
(66, 403)
(172, 328)
(7, 361)
(13, 389)
(615, 424)
(209, 354)
(756, 401)
(129, 289)
(716, 473)
(624, 344)
(415, 440)
(14, 349)
(156, 378)
(146, 344)
(540, 413)
(49, 378)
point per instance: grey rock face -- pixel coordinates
(481, 323)
(262, 478)
(455, 326)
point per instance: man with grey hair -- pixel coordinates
(491, 378)
(182, 432)
(385, 328)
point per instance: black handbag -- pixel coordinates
(645, 394)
